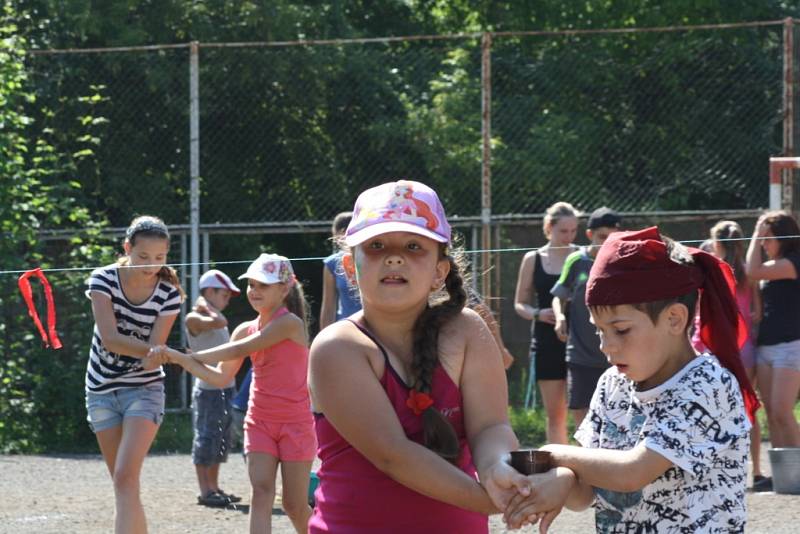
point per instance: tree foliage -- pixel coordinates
(38, 396)
(674, 121)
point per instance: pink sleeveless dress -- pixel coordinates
(354, 497)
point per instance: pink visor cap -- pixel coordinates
(402, 206)
(218, 280)
(270, 269)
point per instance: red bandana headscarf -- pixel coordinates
(635, 267)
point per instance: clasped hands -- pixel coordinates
(161, 354)
(528, 500)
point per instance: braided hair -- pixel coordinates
(439, 434)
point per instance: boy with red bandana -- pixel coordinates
(666, 438)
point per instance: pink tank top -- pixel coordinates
(279, 390)
(354, 497)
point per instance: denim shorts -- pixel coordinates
(780, 355)
(212, 422)
(107, 410)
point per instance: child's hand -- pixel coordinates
(502, 482)
(156, 357)
(547, 497)
(201, 306)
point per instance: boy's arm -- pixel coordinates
(580, 497)
(198, 323)
(624, 471)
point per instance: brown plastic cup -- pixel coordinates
(530, 461)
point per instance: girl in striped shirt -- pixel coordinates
(135, 302)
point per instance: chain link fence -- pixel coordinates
(290, 133)
(641, 122)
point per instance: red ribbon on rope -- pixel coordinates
(27, 294)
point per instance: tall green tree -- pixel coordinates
(40, 391)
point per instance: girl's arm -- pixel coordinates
(345, 388)
(488, 318)
(757, 303)
(327, 313)
(526, 292)
(287, 326)
(219, 376)
(484, 392)
(119, 343)
(624, 471)
(759, 269)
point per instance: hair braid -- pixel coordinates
(439, 434)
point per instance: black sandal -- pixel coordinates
(213, 499)
(230, 496)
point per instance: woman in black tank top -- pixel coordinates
(538, 273)
(778, 343)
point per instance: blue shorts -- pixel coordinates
(212, 422)
(781, 355)
(107, 410)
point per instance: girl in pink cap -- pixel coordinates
(409, 394)
(278, 427)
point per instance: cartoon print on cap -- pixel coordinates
(403, 206)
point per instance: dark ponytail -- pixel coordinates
(295, 302)
(168, 274)
(439, 434)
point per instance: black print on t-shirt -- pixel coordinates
(696, 420)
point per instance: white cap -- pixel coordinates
(270, 269)
(219, 280)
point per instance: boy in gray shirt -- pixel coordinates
(207, 328)
(585, 361)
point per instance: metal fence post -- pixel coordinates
(486, 163)
(788, 112)
(194, 164)
(184, 380)
(206, 251)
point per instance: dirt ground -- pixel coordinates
(73, 494)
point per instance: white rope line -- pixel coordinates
(320, 258)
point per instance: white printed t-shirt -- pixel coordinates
(696, 420)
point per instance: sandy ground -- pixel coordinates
(73, 494)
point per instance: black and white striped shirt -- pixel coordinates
(106, 370)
